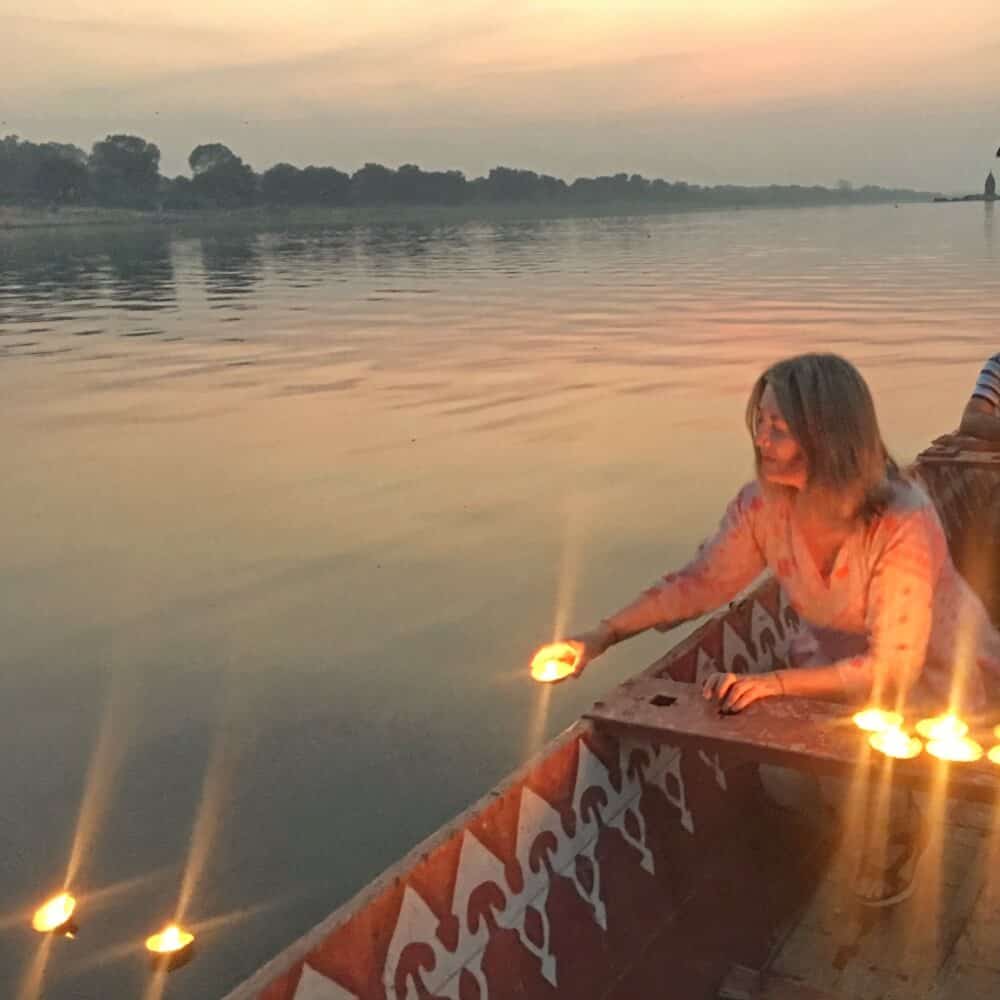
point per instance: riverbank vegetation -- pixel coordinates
(119, 181)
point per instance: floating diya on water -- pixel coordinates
(942, 727)
(56, 916)
(895, 743)
(553, 663)
(171, 948)
(959, 749)
(877, 720)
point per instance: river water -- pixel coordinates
(285, 514)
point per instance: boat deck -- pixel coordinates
(943, 943)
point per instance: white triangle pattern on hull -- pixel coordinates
(314, 986)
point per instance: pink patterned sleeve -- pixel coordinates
(900, 603)
(723, 566)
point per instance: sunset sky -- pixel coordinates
(744, 91)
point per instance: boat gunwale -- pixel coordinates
(300, 948)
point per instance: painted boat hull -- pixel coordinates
(587, 873)
(609, 866)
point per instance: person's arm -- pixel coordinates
(734, 692)
(724, 565)
(980, 419)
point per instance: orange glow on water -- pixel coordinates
(895, 743)
(553, 662)
(876, 720)
(171, 939)
(942, 727)
(54, 914)
(960, 749)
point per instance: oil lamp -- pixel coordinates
(875, 720)
(171, 948)
(56, 916)
(942, 727)
(957, 748)
(895, 743)
(554, 662)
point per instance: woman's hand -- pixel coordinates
(577, 650)
(734, 692)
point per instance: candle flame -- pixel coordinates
(875, 720)
(958, 748)
(994, 755)
(895, 743)
(553, 662)
(52, 915)
(169, 940)
(942, 727)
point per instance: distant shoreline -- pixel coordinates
(14, 218)
(963, 199)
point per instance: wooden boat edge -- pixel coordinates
(710, 633)
(299, 949)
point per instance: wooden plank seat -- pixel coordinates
(796, 732)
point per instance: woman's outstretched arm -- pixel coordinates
(726, 563)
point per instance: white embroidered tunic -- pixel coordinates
(892, 588)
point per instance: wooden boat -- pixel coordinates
(638, 856)
(962, 475)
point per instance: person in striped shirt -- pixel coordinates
(981, 418)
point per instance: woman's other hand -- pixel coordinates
(734, 692)
(576, 651)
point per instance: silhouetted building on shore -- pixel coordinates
(989, 192)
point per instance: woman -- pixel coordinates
(858, 550)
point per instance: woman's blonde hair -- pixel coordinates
(831, 414)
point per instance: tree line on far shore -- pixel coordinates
(123, 171)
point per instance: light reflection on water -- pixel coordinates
(312, 488)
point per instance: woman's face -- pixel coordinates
(781, 459)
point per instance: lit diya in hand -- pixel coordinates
(554, 662)
(171, 948)
(896, 743)
(56, 916)
(876, 720)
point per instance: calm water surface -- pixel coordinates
(286, 513)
